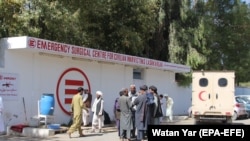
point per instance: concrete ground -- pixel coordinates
(109, 134)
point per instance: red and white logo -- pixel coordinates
(201, 95)
(67, 85)
(32, 43)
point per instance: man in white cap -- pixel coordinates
(98, 112)
(169, 108)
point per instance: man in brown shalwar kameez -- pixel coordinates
(76, 107)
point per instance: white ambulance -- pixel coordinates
(213, 96)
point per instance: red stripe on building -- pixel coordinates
(70, 91)
(74, 82)
(67, 100)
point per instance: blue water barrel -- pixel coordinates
(47, 104)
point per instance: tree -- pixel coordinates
(228, 42)
(9, 20)
(204, 34)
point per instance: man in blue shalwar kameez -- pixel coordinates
(143, 114)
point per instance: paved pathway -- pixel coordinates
(109, 134)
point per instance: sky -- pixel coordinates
(247, 1)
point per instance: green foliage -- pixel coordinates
(209, 35)
(9, 21)
(228, 40)
(245, 84)
(184, 79)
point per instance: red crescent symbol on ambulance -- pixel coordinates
(200, 96)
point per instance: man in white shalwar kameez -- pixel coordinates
(2, 128)
(169, 108)
(98, 112)
(163, 106)
(87, 98)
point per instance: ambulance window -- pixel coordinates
(203, 82)
(222, 82)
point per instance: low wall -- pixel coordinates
(242, 91)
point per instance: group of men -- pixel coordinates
(81, 109)
(134, 111)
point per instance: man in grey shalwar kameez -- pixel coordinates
(143, 112)
(126, 123)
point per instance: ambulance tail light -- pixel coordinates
(196, 113)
